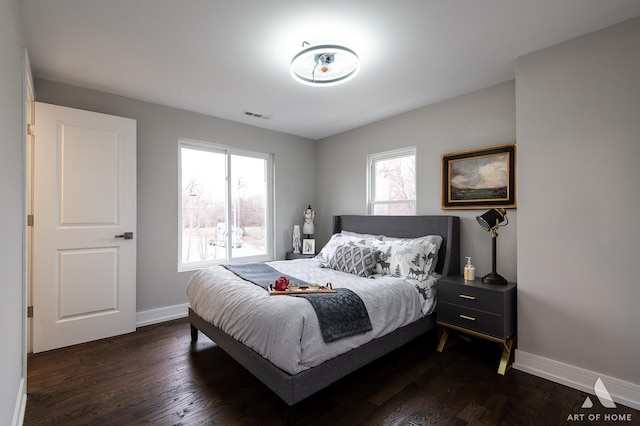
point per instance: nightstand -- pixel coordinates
(291, 255)
(483, 310)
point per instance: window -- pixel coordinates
(391, 181)
(226, 202)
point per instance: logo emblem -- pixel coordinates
(603, 396)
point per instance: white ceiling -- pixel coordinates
(222, 57)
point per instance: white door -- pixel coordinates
(84, 204)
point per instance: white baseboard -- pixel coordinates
(158, 315)
(622, 392)
(21, 405)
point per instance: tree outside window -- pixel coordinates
(225, 203)
(392, 183)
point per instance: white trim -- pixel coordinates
(28, 96)
(158, 315)
(21, 405)
(622, 392)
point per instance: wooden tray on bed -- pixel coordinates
(302, 290)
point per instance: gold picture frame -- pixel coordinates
(480, 179)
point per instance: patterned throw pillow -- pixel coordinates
(337, 240)
(404, 258)
(433, 253)
(355, 259)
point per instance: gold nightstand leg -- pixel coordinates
(506, 356)
(443, 340)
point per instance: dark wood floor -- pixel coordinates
(155, 376)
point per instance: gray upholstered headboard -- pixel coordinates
(411, 227)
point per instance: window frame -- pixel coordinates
(372, 159)
(228, 151)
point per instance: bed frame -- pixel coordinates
(294, 388)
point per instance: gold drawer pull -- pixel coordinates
(467, 317)
(464, 296)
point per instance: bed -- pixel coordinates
(288, 373)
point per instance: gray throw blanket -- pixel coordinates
(340, 314)
(260, 274)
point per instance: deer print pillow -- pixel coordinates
(404, 258)
(434, 239)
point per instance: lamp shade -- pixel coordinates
(492, 219)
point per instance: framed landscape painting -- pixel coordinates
(480, 179)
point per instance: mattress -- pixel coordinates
(285, 329)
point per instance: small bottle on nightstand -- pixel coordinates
(469, 271)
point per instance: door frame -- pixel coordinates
(28, 108)
(29, 123)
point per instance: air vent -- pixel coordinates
(257, 115)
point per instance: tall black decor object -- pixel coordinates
(490, 222)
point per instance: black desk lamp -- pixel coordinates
(490, 222)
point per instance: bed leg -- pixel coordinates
(194, 334)
(290, 414)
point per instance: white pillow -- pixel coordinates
(363, 236)
(404, 258)
(433, 239)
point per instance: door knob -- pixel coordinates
(126, 236)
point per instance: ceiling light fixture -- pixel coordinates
(324, 65)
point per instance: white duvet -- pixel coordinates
(285, 329)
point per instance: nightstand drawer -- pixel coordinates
(472, 297)
(472, 319)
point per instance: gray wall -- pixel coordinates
(12, 196)
(159, 128)
(474, 120)
(578, 119)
